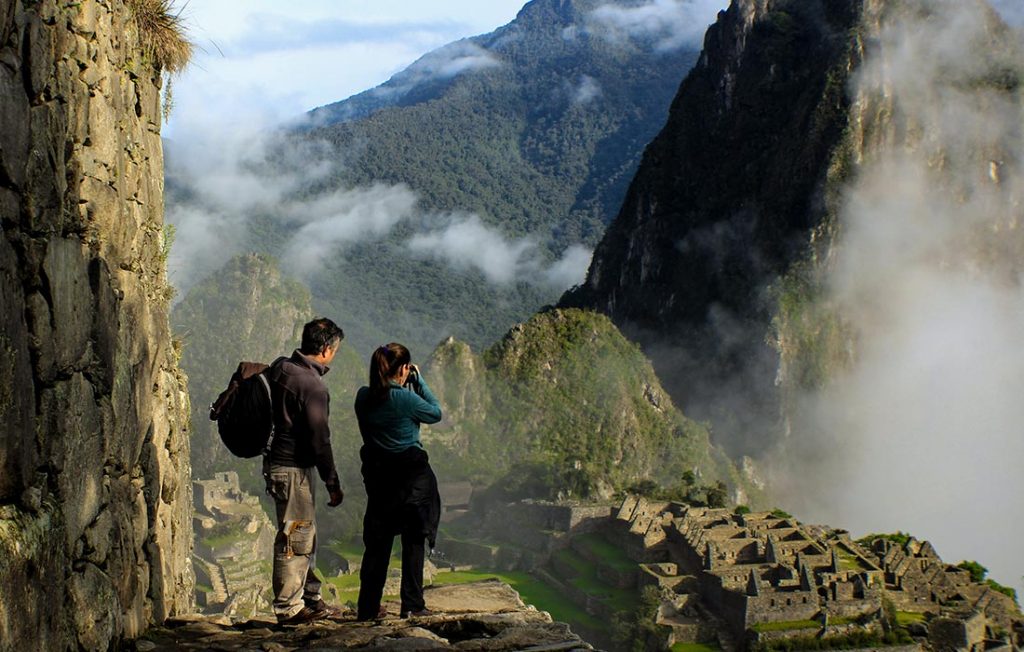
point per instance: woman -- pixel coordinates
(401, 488)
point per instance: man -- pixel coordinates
(302, 443)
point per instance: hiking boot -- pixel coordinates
(419, 613)
(329, 612)
(382, 613)
(305, 615)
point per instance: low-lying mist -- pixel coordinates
(225, 181)
(923, 433)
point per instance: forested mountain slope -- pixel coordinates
(565, 407)
(466, 192)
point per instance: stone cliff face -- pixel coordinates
(722, 262)
(723, 203)
(95, 533)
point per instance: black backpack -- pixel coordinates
(244, 411)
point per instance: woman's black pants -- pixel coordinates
(401, 492)
(374, 572)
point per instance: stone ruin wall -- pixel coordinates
(95, 498)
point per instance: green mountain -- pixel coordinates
(466, 192)
(539, 135)
(564, 406)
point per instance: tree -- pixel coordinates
(717, 495)
(977, 571)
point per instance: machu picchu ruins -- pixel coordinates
(234, 540)
(724, 578)
(732, 579)
(764, 576)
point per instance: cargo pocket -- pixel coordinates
(302, 539)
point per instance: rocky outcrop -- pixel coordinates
(95, 530)
(480, 616)
(720, 262)
(724, 203)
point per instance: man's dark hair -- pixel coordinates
(319, 334)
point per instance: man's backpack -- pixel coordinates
(244, 411)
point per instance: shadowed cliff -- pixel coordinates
(95, 497)
(821, 254)
(723, 203)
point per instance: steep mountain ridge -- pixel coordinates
(725, 201)
(830, 215)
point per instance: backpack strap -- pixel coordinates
(270, 398)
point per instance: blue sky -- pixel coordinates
(260, 61)
(264, 61)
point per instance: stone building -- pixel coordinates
(765, 572)
(234, 544)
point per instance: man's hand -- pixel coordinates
(337, 495)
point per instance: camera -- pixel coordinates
(413, 376)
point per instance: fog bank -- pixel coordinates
(923, 433)
(227, 182)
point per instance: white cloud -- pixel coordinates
(669, 24)
(280, 60)
(232, 176)
(466, 243)
(923, 433)
(571, 268)
(204, 240)
(342, 217)
(219, 180)
(444, 63)
(586, 90)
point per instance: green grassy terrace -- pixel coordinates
(585, 578)
(908, 617)
(850, 561)
(606, 552)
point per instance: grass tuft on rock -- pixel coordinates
(162, 33)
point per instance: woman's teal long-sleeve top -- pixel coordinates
(394, 424)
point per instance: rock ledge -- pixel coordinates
(486, 615)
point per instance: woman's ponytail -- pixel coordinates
(385, 361)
